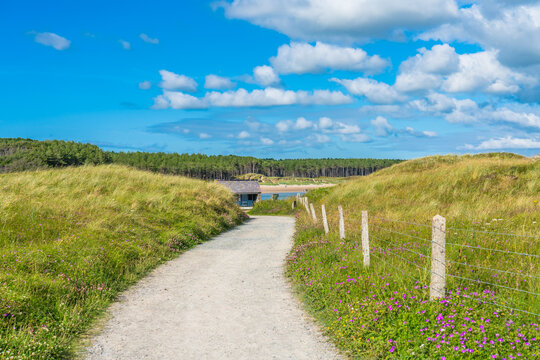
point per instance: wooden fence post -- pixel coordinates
(438, 258)
(325, 221)
(365, 238)
(306, 204)
(313, 214)
(341, 223)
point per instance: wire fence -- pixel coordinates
(447, 260)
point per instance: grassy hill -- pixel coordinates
(384, 311)
(71, 239)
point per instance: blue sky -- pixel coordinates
(275, 78)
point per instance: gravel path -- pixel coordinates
(225, 299)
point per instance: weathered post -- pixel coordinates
(313, 214)
(365, 238)
(438, 258)
(341, 223)
(325, 221)
(307, 208)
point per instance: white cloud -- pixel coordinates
(172, 81)
(338, 127)
(322, 139)
(243, 135)
(267, 141)
(511, 27)
(442, 68)
(440, 103)
(429, 133)
(424, 70)
(382, 126)
(340, 19)
(508, 142)
(301, 58)
(467, 111)
(148, 39)
(284, 125)
(302, 123)
(519, 118)
(356, 138)
(275, 97)
(265, 75)
(204, 136)
(178, 100)
(218, 82)
(376, 92)
(482, 71)
(255, 98)
(145, 85)
(53, 40)
(411, 131)
(325, 123)
(125, 44)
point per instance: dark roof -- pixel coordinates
(242, 186)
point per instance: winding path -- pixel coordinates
(225, 299)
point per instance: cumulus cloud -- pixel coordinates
(340, 19)
(205, 136)
(512, 27)
(172, 81)
(507, 142)
(325, 122)
(148, 39)
(243, 135)
(178, 100)
(442, 68)
(265, 75)
(218, 82)
(301, 58)
(267, 141)
(382, 126)
(145, 85)
(376, 92)
(53, 40)
(255, 98)
(424, 70)
(482, 71)
(300, 124)
(355, 138)
(125, 44)
(468, 111)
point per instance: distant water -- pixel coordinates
(282, 195)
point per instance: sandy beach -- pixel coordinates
(274, 189)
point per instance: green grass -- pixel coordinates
(274, 207)
(384, 311)
(72, 239)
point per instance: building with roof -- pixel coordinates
(247, 191)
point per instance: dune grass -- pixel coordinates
(274, 207)
(71, 239)
(384, 311)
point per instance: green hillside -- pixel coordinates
(493, 278)
(72, 239)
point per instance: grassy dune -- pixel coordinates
(72, 239)
(384, 311)
(274, 207)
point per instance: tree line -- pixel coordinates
(26, 154)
